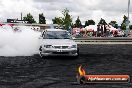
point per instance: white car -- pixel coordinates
(57, 42)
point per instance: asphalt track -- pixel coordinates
(60, 72)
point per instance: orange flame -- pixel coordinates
(81, 71)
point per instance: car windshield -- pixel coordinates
(57, 35)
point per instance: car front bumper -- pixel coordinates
(59, 52)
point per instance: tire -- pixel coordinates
(40, 52)
(77, 52)
(40, 48)
(76, 57)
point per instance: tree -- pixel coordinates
(29, 18)
(86, 23)
(42, 19)
(57, 20)
(65, 21)
(89, 22)
(78, 23)
(130, 27)
(102, 21)
(123, 24)
(72, 25)
(114, 24)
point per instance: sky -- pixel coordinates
(85, 9)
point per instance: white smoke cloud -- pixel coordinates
(24, 43)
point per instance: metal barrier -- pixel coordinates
(104, 40)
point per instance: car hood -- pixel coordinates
(58, 42)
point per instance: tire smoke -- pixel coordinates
(23, 42)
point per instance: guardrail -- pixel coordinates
(104, 40)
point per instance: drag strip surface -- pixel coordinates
(60, 72)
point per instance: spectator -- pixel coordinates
(98, 31)
(115, 34)
(107, 33)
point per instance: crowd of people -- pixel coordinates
(98, 31)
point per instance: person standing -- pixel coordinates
(102, 30)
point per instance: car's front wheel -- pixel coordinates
(40, 52)
(77, 54)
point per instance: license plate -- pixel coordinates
(59, 51)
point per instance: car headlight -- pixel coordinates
(48, 46)
(74, 46)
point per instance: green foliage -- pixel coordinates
(57, 20)
(123, 24)
(89, 22)
(102, 21)
(124, 19)
(42, 19)
(114, 24)
(65, 21)
(86, 23)
(29, 18)
(78, 23)
(130, 27)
